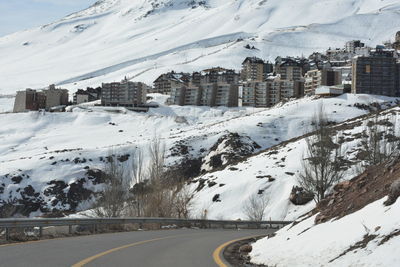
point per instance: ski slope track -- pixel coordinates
(141, 39)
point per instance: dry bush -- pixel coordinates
(254, 207)
(322, 167)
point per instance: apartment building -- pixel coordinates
(125, 93)
(268, 93)
(88, 95)
(376, 74)
(255, 69)
(46, 99)
(330, 77)
(291, 69)
(165, 82)
(207, 94)
(312, 80)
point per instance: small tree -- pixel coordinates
(321, 168)
(112, 200)
(379, 141)
(254, 207)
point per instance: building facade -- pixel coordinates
(35, 100)
(255, 69)
(377, 74)
(312, 80)
(125, 93)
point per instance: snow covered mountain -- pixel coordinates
(142, 38)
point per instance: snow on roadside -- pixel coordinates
(307, 244)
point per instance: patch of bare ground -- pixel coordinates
(237, 254)
(351, 196)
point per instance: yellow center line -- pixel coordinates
(92, 258)
(218, 251)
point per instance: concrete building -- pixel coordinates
(291, 69)
(55, 97)
(29, 100)
(312, 80)
(165, 82)
(377, 74)
(330, 77)
(207, 94)
(35, 100)
(88, 95)
(125, 93)
(351, 46)
(219, 75)
(255, 69)
(268, 93)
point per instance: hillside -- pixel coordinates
(358, 225)
(52, 159)
(144, 38)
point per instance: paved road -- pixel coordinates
(175, 248)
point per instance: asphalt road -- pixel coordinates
(175, 248)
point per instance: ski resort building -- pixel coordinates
(125, 94)
(35, 100)
(207, 94)
(376, 74)
(255, 69)
(268, 93)
(88, 95)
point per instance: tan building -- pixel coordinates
(268, 93)
(55, 97)
(312, 80)
(125, 93)
(255, 69)
(34, 100)
(165, 82)
(29, 100)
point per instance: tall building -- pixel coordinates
(207, 94)
(377, 74)
(165, 82)
(268, 93)
(290, 68)
(312, 80)
(255, 69)
(351, 46)
(35, 100)
(125, 93)
(331, 77)
(29, 100)
(88, 95)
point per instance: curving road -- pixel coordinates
(176, 248)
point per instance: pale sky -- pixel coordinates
(16, 15)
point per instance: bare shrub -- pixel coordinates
(114, 196)
(379, 140)
(254, 207)
(321, 168)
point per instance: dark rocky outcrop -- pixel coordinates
(299, 196)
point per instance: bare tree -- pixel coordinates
(112, 200)
(182, 202)
(139, 177)
(379, 140)
(321, 168)
(254, 207)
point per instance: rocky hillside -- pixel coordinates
(143, 38)
(357, 225)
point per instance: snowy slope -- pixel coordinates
(273, 173)
(307, 244)
(62, 146)
(143, 38)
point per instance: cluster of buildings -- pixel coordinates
(354, 68)
(51, 99)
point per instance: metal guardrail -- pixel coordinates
(41, 222)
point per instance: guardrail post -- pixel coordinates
(236, 225)
(7, 234)
(40, 231)
(70, 229)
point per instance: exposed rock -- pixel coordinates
(394, 193)
(229, 149)
(299, 196)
